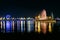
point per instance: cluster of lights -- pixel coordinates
(38, 20)
(9, 24)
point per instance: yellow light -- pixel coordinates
(1, 24)
(39, 24)
(39, 27)
(36, 26)
(38, 16)
(50, 29)
(49, 17)
(1, 18)
(50, 21)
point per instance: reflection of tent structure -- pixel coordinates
(41, 17)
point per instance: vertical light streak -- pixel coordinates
(8, 26)
(28, 26)
(13, 25)
(18, 26)
(3, 26)
(22, 27)
(38, 26)
(1, 23)
(22, 24)
(32, 25)
(50, 27)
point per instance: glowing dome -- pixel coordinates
(8, 16)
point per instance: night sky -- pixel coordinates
(24, 8)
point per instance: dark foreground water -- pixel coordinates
(31, 36)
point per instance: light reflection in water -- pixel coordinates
(18, 26)
(30, 25)
(8, 25)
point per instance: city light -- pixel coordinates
(22, 24)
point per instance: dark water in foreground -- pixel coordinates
(31, 36)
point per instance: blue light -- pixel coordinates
(8, 26)
(11, 26)
(8, 16)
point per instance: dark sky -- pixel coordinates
(28, 8)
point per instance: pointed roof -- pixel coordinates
(43, 13)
